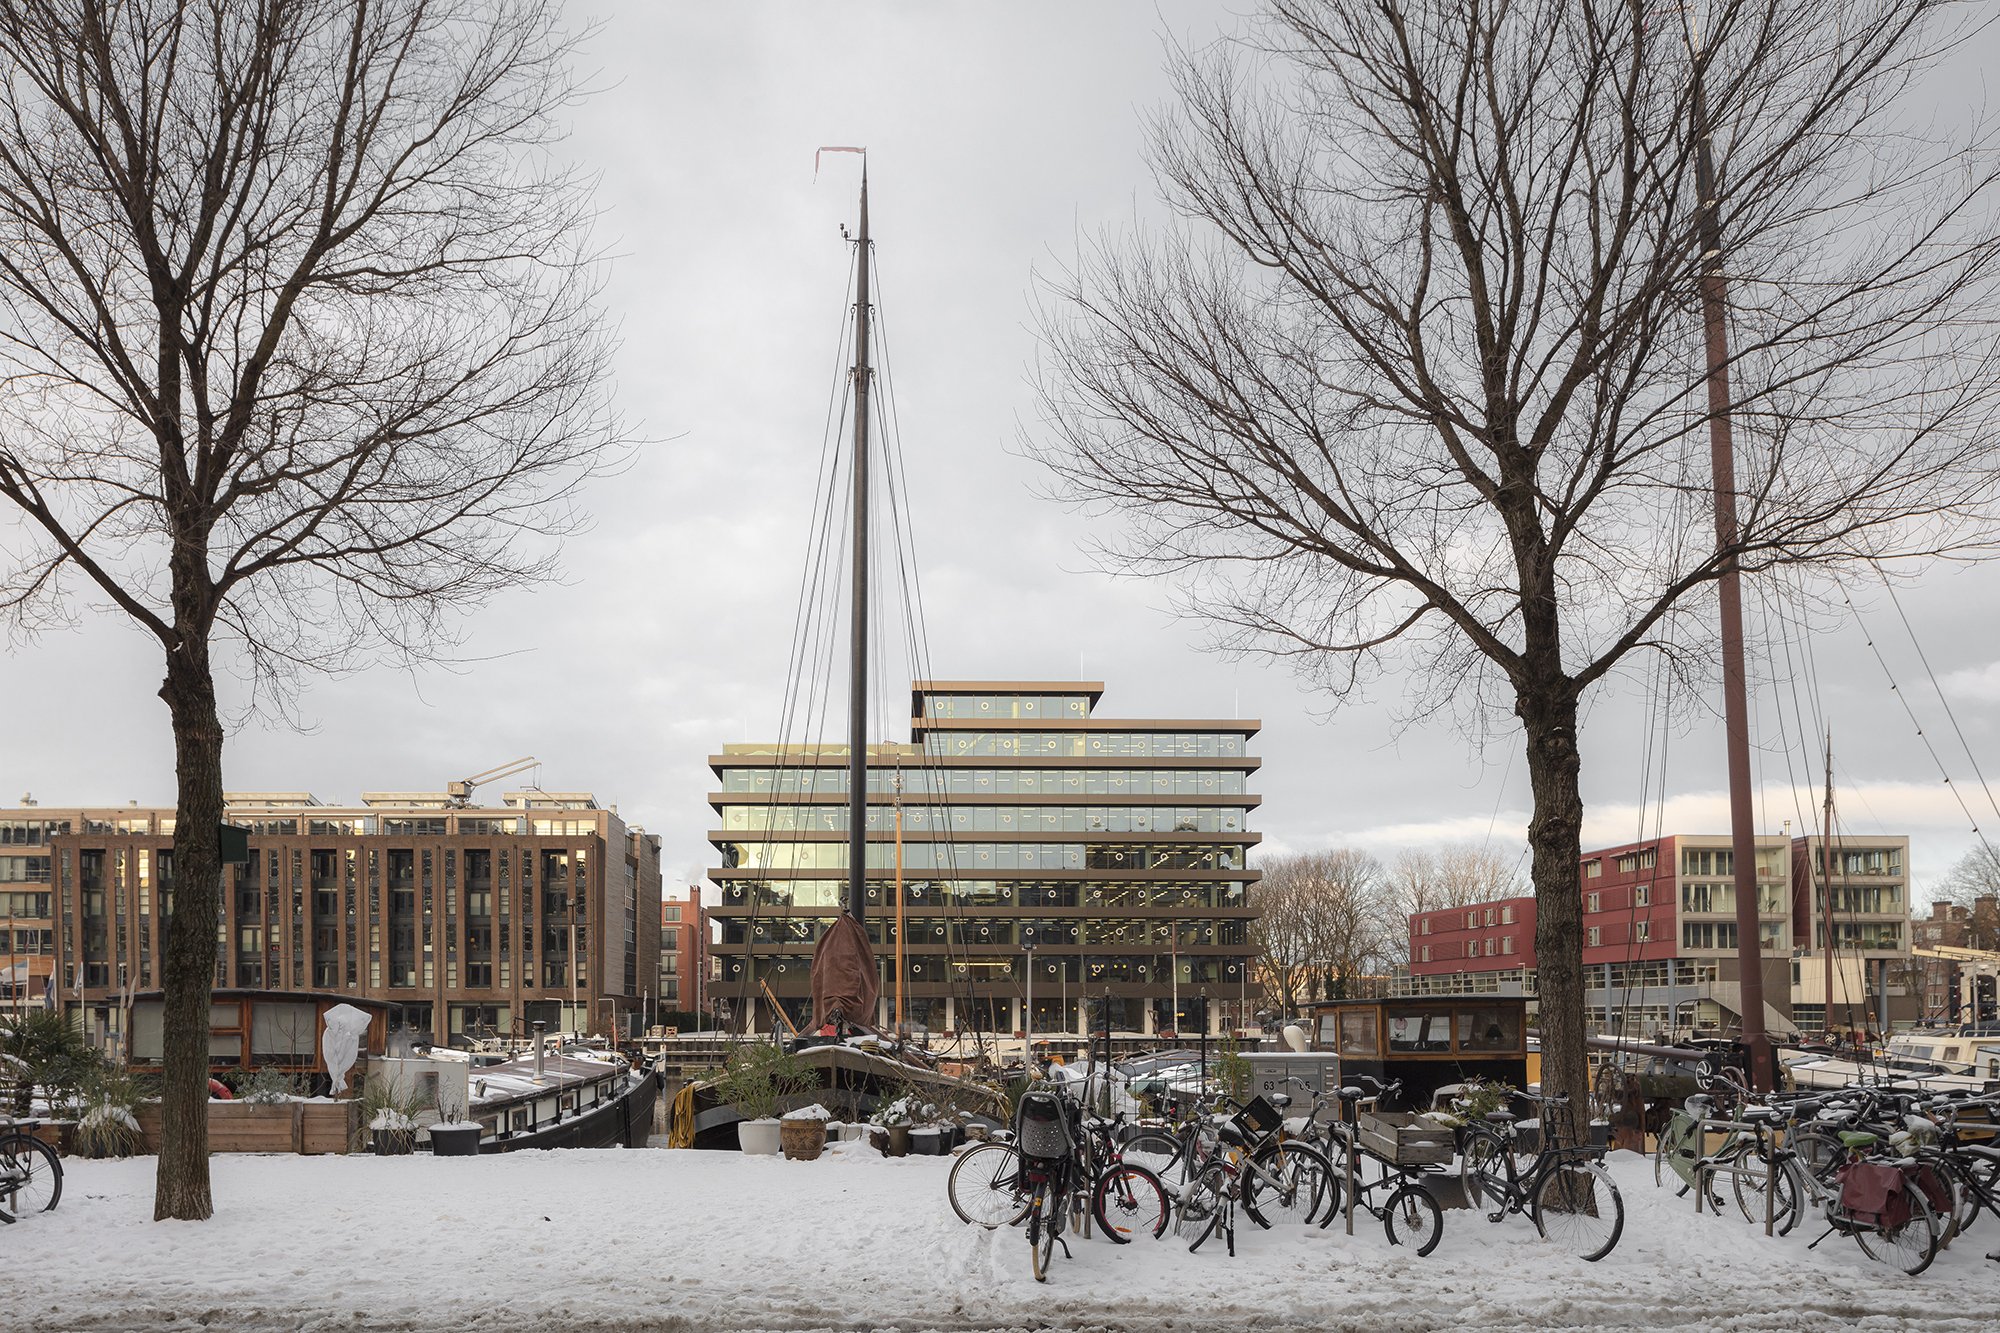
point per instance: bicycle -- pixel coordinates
(30, 1173)
(986, 1187)
(1409, 1214)
(1063, 1167)
(1566, 1193)
(1249, 1161)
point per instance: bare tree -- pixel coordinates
(1415, 390)
(302, 359)
(1321, 922)
(1284, 946)
(1452, 874)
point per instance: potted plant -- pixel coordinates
(1470, 1102)
(454, 1135)
(389, 1114)
(46, 1051)
(890, 1132)
(756, 1079)
(106, 1125)
(802, 1132)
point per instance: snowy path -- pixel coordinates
(697, 1242)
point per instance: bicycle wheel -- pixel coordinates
(1130, 1201)
(1411, 1217)
(1482, 1170)
(1201, 1208)
(1578, 1208)
(986, 1189)
(1748, 1187)
(1819, 1152)
(1299, 1193)
(1911, 1246)
(1042, 1245)
(30, 1175)
(1160, 1153)
(1956, 1197)
(1677, 1151)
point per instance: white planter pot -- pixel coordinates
(758, 1137)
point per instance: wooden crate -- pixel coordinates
(1402, 1138)
(297, 1127)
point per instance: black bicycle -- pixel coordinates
(1564, 1190)
(30, 1173)
(1409, 1212)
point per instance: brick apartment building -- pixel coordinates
(1952, 926)
(684, 955)
(467, 920)
(1660, 936)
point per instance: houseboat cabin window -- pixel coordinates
(1488, 1030)
(1418, 1030)
(1357, 1032)
(285, 1033)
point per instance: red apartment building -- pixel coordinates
(683, 954)
(1660, 934)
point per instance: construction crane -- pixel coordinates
(459, 792)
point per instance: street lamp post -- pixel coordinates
(1028, 1018)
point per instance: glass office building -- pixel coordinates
(1110, 855)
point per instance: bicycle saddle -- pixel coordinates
(1278, 1099)
(1854, 1138)
(1351, 1094)
(1757, 1113)
(1500, 1117)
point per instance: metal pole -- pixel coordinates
(857, 678)
(1826, 893)
(1722, 457)
(900, 968)
(1028, 1017)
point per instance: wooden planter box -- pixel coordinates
(295, 1127)
(1403, 1139)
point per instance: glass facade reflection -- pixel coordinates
(1102, 856)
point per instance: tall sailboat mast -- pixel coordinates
(857, 688)
(1729, 594)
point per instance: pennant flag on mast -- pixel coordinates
(830, 149)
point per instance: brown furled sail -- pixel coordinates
(843, 975)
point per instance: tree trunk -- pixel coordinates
(1555, 837)
(181, 1188)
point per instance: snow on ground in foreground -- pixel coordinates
(702, 1242)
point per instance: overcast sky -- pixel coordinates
(998, 137)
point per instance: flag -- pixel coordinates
(49, 991)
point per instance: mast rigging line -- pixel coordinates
(1943, 702)
(1910, 712)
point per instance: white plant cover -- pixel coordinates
(341, 1044)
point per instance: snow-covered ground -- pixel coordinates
(701, 1242)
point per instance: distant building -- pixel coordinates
(467, 920)
(1659, 949)
(1117, 847)
(684, 955)
(1952, 926)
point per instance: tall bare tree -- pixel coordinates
(1414, 390)
(1284, 943)
(1321, 922)
(1452, 874)
(302, 359)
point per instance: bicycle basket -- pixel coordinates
(1256, 1120)
(1874, 1195)
(1041, 1129)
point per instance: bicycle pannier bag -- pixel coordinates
(1875, 1196)
(1041, 1132)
